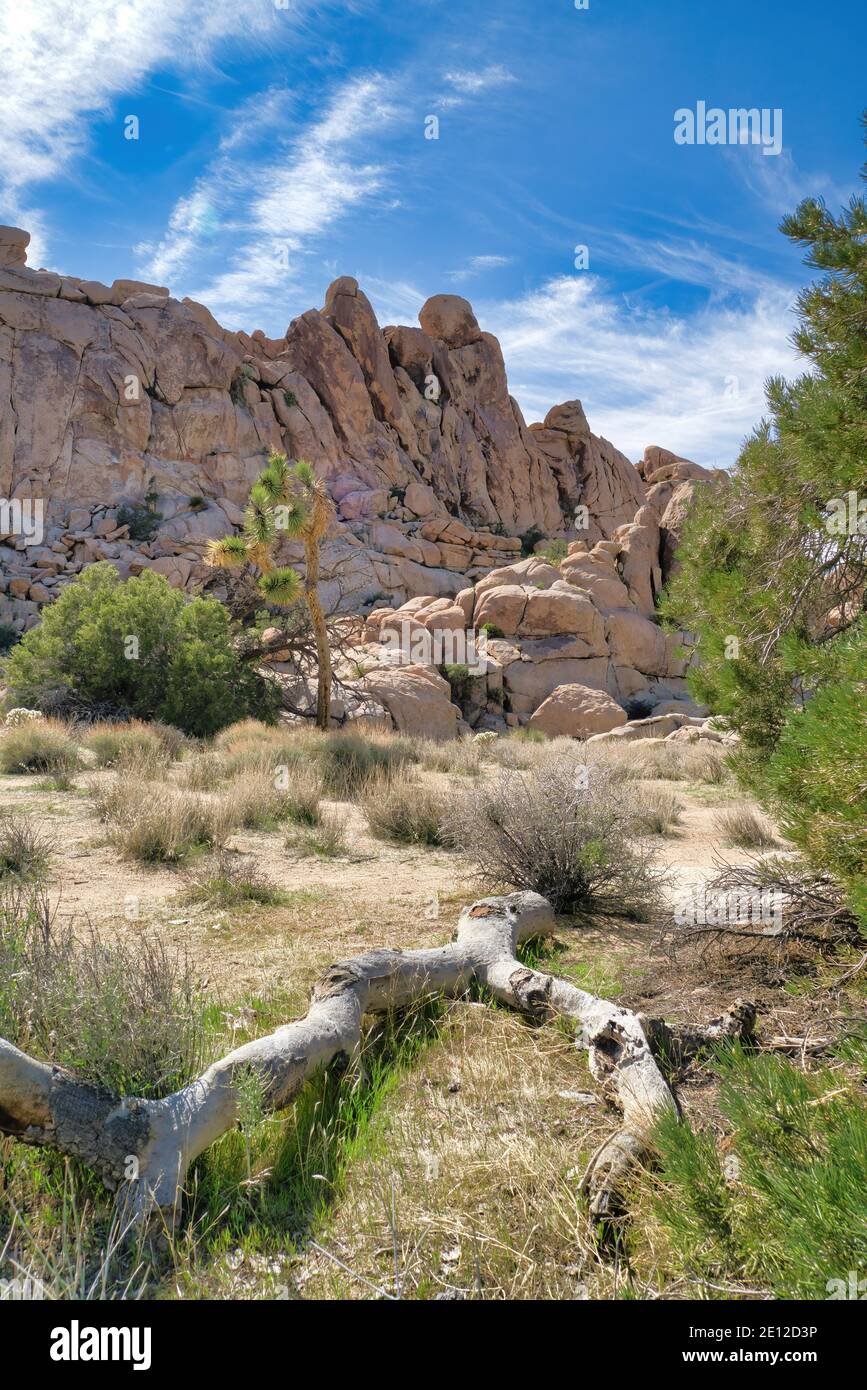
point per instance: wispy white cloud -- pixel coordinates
(265, 212)
(463, 85)
(692, 383)
(65, 62)
(471, 82)
(478, 265)
(780, 185)
(690, 262)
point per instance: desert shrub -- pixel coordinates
(156, 823)
(186, 672)
(326, 840)
(302, 797)
(458, 676)
(745, 827)
(126, 1015)
(243, 732)
(25, 851)
(57, 782)
(554, 552)
(523, 735)
(491, 630)
(8, 637)
(656, 810)
(143, 522)
(399, 808)
(38, 745)
(529, 540)
(639, 706)
(787, 1207)
(565, 836)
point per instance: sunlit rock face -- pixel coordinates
(122, 397)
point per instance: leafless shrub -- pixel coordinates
(812, 906)
(126, 1015)
(565, 835)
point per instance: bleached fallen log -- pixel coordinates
(143, 1148)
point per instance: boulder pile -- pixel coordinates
(132, 426)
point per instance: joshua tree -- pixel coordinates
(286, 499)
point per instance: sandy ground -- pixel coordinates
(377, 894)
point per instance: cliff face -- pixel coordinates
(113, 395)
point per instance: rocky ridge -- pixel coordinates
(123, 397)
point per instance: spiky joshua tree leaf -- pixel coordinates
(229, 551)
(281, 585)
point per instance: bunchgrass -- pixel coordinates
(155, 823)
(745, 828)
(399, 807)
(25, 850)
(38, 745)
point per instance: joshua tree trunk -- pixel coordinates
(320, 632)
(143, 1148)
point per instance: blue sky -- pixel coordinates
(283, 144)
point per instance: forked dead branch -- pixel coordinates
(143, 1148)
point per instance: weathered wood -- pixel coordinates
(143, 1148)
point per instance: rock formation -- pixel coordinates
(132, 426)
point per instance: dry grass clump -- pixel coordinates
(345, 760)
(245, 732)
(681, 761)
(117, 745)
(656, 810)
(520, 751)
(745, 827)
(38, 745)
(263, 799)
(25, 852)
(645, 759)
(325, 840)
(228, 881)
(398, 807)
(257, 801)
(348, 761)
(460, 757)
(203, 772)
(156, 823)
(566, 835)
